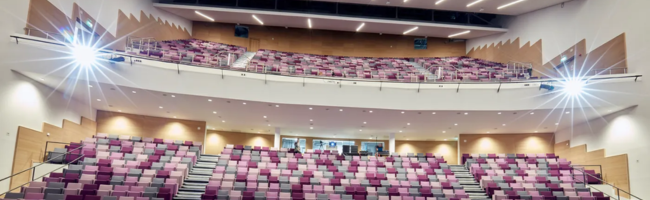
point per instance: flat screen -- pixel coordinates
(241, 31)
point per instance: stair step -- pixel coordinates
(195, 184)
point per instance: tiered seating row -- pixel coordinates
(191, 51)
(471, 69)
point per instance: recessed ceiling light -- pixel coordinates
(510, 4)
(455, 124)
(488, 132)
(214, 112)
(214, 129)
(444, 131)
(341, 110)
(309, 22)
(360, 130)
(210, 100)
(532, 113)
(99, 100)
(466, 113)
(557, 124)
(433, 113)
(258, 20)
(503, 124)
(567, 112)
(439, 1)
(461, 33)
(535, 131)
(119, 110)
(408, 124)
(223, 121)
(265, 116)
(243, 103)
(400, 131)
(160, 107)
(203, 15)
(402, 112)
(311, 120)
(407, 139)
(90, 85)
(370, 137)
(174, 116)
(445, 139)
(133, 91)
(42, 79)
(277, 106)
(360, 26)
(311, 127)
(499, 113)
(410, 30)
(364, 122)
(370, 111)
(268, 125)
(475, 2)
(258, 132)
(173, 95)
(310, 108)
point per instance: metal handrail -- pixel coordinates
(130, 56)
(34, 167)
(602, 181)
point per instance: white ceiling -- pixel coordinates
(326, 121)
(488, 6)
(324, 22)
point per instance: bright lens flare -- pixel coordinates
(573, 87)
(84, 55)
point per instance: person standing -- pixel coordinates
(379, 148)
(296, 146)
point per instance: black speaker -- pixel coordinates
(241, 31)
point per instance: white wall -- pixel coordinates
(598, 21)
(24, 102)
(105, 11)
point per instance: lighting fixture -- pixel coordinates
(310, 108)
(203, 15)
(173, 95)
(402, 112)
(133, 91)
(84, 55)
(370, 111)
(258, 20)
(119, 110)
(557, 124)
(439, 1)
(510, 4)
(223, 121)
(311, 127)
(214, 112)
(400, 131)
(532, 113)
(475, 2)
(461, 33)
(360, 26)
(364, 122)
(90, 85)
(444, 131)
(503, 124)
(535, 131)
(341, 110)
(499, 113)
(174, 116)
(210, 100)
(408, 124)
(160, 107)
(264, 117)
(433, 113)
(243, 103)
(455, 124)
(410, 30)
(362, 130)
(268, 125)
(99, 100)
(277, 106)
(567, 112)
(445, 139)
(573, 87)
(309, 22)
(311, 120)
(466, 113)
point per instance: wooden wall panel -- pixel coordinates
(327, 42)
(579, 51)
(42, 15)
(30, 144)
(147, 126)
(611, 55)
(506, 143)
(448, 149)
(217, 140)
(615, 168)
(510, 51)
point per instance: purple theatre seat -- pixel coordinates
(89, 189)
(74, 197)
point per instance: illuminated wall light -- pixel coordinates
(439, 1)
(410, 30)
(309, 22)
(210, 100)
(360, 26)
(458, 34)
(203, 15)
(258, 20)
(473, 3)
(370, 111)
(510, 4)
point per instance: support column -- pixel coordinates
(391, 143)
(276, 139)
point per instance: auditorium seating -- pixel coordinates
(525, 176)
(120, 166)
(287, 63)
(191, 52)
(256, 172)
(471, 69)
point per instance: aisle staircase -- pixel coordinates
(466, 179)
(424, 71)
(242, 61)
(194, 184)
